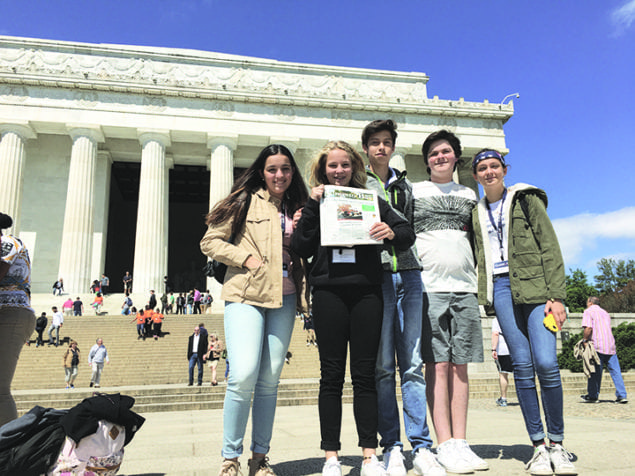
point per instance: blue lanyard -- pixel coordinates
(499, 228)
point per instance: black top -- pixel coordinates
(367, 268)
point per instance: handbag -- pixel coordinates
(216, 269)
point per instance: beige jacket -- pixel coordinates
(261, 238)
(588, 356)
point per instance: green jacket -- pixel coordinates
(536, 267)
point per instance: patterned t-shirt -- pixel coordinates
(15, 287)
(443, 223)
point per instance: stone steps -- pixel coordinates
(155, 372)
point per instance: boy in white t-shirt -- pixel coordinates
(452, 335)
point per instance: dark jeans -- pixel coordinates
(343, 316)
(196, 360)
(197, 307)
(39, 340)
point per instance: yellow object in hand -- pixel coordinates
(550, 323)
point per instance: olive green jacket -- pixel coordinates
(536, 267)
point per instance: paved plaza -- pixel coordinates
(600, 436)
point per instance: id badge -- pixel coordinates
(343, 255)
(285, 271)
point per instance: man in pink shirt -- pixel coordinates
(596, 323)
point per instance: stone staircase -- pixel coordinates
(156, 372)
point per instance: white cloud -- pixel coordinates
(623, 17)
(580, 234)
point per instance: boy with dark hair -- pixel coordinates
(401, 325)
(452, 334)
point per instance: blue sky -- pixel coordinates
(572, 61)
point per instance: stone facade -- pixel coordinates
(71, 113)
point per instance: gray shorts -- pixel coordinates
(451, 328)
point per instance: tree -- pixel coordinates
(578, 290)
(614, 275)
(622, 300)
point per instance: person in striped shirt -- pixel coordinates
(596, 323)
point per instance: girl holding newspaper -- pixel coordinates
(347, 304)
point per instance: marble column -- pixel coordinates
(398, 159)
(221, 167)
(11, 170)
(77, 234)
(151, 242)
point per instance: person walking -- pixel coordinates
(78, 307)
(70, 361)
(57, 321)
(500, 354)
(213, 355)
(40, 327)
(97, 357)
(196, 349)
(347, 304)
(250, 231)
(17, 318)
(521, 275)
(127, 283)
(596, 323)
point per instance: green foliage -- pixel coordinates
(624, 341)
(622, 300)
(614, 275)
(566, 360)
(578, 290)
(625, 344)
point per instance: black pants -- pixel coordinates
(343, 316)
(197, 307)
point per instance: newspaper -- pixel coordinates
(346, 215)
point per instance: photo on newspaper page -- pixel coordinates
(346, 215)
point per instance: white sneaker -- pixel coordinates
(478, 463)
(425, 463)
(332, 467)
(561, 460)
(372, 467)
(452, 459)
(393, 460)
(540, 464)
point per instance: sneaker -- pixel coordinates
(332, 467)
(588, 399)
(260, 467)
(540, 463)
(425, 463)
(372, 467)
(230, 468)
(561, 460)
(451, 458)
(621, 400)
(501, 402)
(478, 463)
(393, 461)
(91, 384)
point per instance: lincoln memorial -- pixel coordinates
(111, 155)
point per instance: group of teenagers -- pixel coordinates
(149, 322)
(411, 299)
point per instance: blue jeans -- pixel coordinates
(195, 360)
(533, 350)
(257, 340)
(401, 335)
(611, 362)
